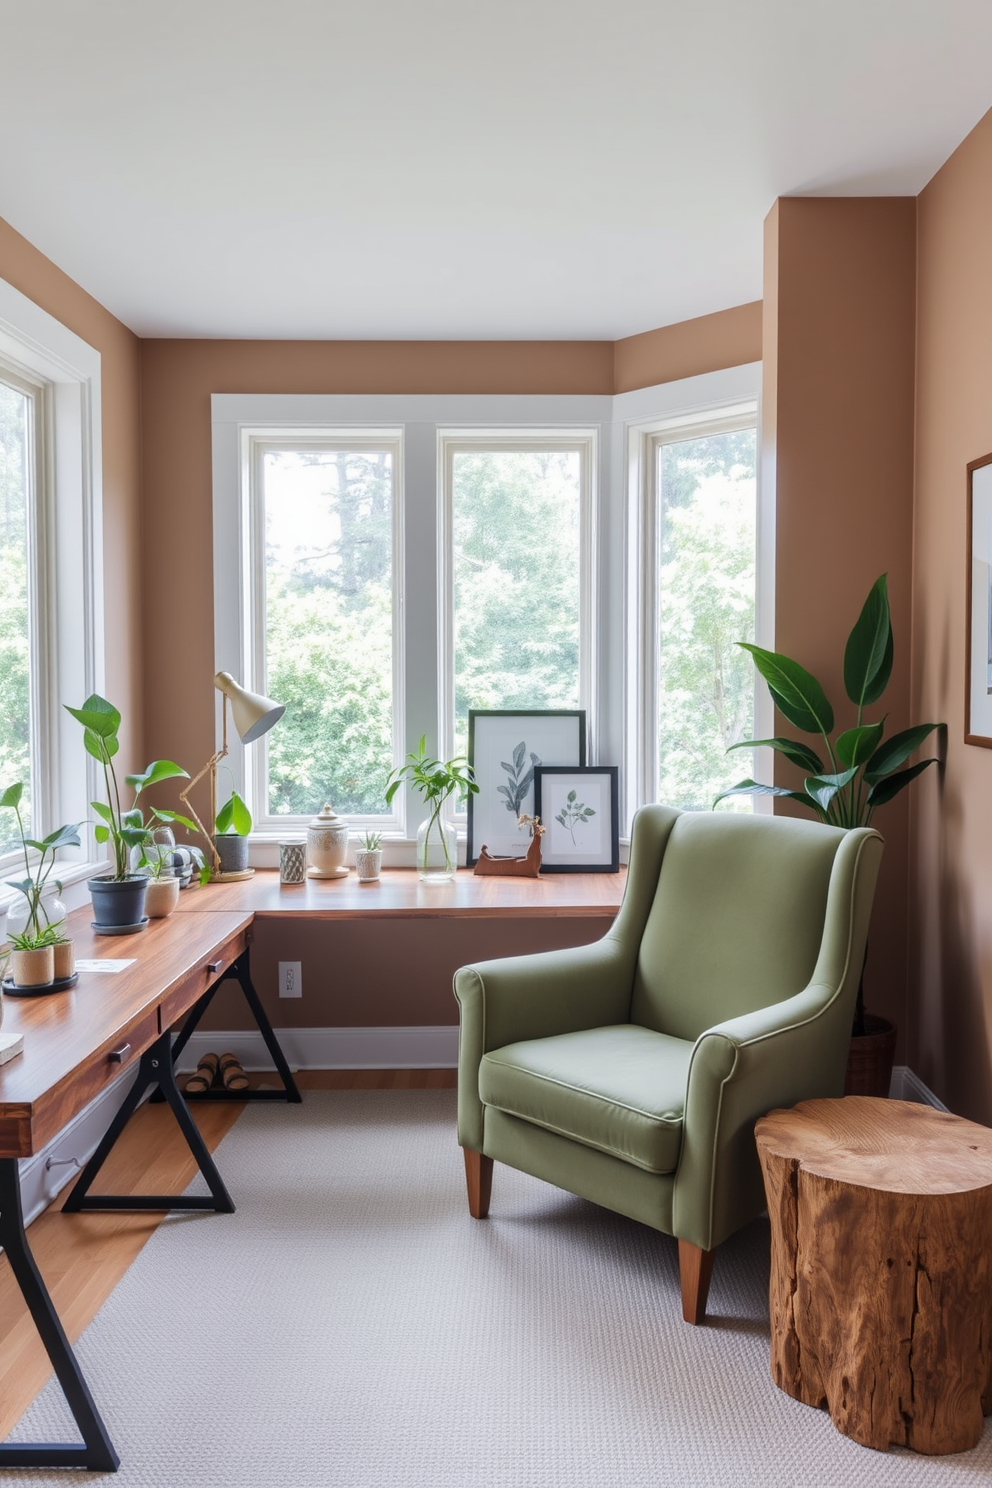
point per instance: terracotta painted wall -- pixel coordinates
(37, 277)
(837, 442)
(728, 338)
(951, 920)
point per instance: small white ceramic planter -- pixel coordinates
(368, 862)
(161, 897)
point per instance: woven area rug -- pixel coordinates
(350, 1325)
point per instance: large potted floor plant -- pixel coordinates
(860, 772)
(119, 897)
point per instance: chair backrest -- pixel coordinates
(737, 919)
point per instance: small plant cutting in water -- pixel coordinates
(574, 814)
(435, 780)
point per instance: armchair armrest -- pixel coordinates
(528, 997)
(793, 1050)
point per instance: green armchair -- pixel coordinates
(631, 1071)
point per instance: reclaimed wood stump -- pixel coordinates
(881, 1268)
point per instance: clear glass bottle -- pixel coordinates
(51, 911)
(437, 850)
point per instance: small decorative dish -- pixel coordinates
(60, 984)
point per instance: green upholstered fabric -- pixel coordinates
(777, 949)
(619, 1089)
(736, 921)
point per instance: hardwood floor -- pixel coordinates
(83, 1256)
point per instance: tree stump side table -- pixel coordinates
(881, 1268)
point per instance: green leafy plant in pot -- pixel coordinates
(119, 897)
(39, 935)
(232, 829)
(859, 770)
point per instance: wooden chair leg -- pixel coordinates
(695, 1270)
(479, 1177)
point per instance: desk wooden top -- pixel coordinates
(68, 1036)
(400, 894)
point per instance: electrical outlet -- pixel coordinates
(290, 978)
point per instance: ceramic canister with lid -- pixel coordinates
(327, 844)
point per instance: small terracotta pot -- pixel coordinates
(33, 968)
(64, 958)
(161, 897)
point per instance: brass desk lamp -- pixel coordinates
(253, 716)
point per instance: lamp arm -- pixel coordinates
(210, 766)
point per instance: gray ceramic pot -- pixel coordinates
(233, 852)
(118, 903)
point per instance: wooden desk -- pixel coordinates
(77, 1042)
(401, 894)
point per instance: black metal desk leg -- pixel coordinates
(155, 1069)
(97, 1452)
(240, 971)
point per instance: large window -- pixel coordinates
(518, 534)
(18, 507)
(325, 522)
(706, 495)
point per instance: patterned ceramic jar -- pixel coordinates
(327, 843)
(292, 861)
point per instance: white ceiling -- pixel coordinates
(447, 168)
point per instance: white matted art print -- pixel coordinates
(504, 749)
(978, 698)
(579, 812)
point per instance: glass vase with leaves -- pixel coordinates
(437, 781)
(861, 770)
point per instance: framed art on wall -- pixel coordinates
(579, 811)
(504, 749)
(978, 649)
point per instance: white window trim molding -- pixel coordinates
(586, 443)
(715, 400)
(69, 578)
(254, 442)
(420, 416)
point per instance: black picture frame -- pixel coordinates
(552, 784)
(556, 735)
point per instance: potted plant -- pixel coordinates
(41, 951)
(861, 772)
(368, 857)
(155, 860)
(119, 897)
(231, 831)
(436, 781)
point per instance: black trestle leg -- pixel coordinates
(97, 1452)
(240, 971)
(155, 1069)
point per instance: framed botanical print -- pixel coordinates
(504, 749)
(978, 650)
(579, 810)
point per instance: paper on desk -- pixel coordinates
(106, 965)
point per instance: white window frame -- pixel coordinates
(67, 562)
(712, 403)
(460, 441)
(255, 442)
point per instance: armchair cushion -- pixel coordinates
(620, 1089)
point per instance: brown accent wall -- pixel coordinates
(951, 919)
(837, 445)
(37, 277)
(727, 338)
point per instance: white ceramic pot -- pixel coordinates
(368, 861)
(327, 844)
(161, 897)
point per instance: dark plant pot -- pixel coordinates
(233, 852)
(871, 1057)
(118, 902)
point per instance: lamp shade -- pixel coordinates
(253, 714)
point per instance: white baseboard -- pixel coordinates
(424, 1047)
(906, 1085)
